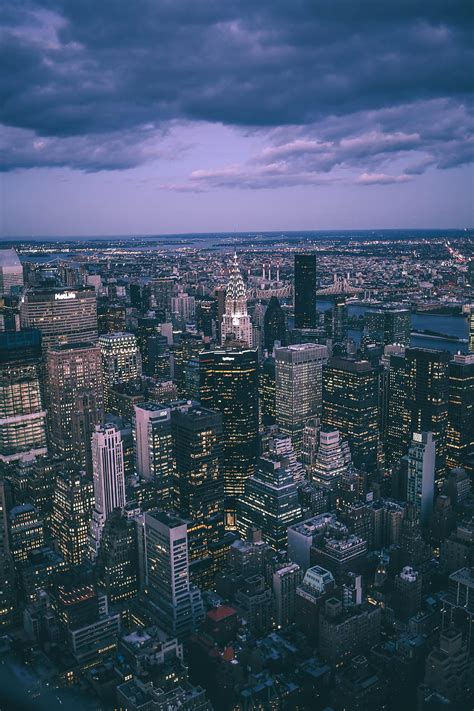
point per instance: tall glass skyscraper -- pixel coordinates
(305, 291)
(229, 384)
(351, 405)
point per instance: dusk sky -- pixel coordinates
(158, 116)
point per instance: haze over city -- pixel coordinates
(159, 117)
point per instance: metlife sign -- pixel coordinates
(66, 295)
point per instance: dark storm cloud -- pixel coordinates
(93, 84)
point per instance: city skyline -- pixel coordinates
(171, 118)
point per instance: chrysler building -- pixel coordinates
(236, 322)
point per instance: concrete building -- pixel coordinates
(177, 603)
(421, 474)
(298, 387)
(285, 582)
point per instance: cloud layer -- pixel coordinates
(381, 90)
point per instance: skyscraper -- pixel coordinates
(332, 461)
(270, 500)
(153, 444)
(11, 271)
(7, 573)
(267, 392)
(350, 405)
(274, 325)
(421, 474)
(63, 315)
(229, 384)
(396, 438)
(117, 560)
(22, 411)
(460, 435)
(109, 480)
(236, 323)
(427, 392)
(121, 360)
(298, 387)
(178, 604)
(73, 504)
(75, 400)
(305, 291)
(199, 483)
(389, 326)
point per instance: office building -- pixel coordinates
(407, 593)
(22, 410)
(285, 583)
(7, 572)
(108, 477)
(270, 500)
(11, 272)
(396, 436)
(75, 400)
(301, 537)
(236, 324)
(460, 435)
(427, 394)
(26, 531)
(298, 387)
(449, 670)
(340, 554)
(317, 586)
(178, 604)
(351, 405)
(342, 632)
(332, 460)
(254, 604)
(73, 504)
(267, 392)
(121, 361)
(117, 563)
(274, 325)
(199, 483)
(305, 291)
(229, 384)
(183, 307)
(421, 474)
(387, 326)
(63, 315)
(153, 445)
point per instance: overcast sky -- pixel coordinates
(155, 116)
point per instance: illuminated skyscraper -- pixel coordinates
(22, 412)
(121, 360)
(63, 315)
(236, 323)
(421, 474)
(270, 499)
(109, 480)
(460, 436)
(427, 393)
(332, 460)
(267, 392)
(199, 483)
(229, 384)
(153, 444)
(75, 400)
(396, 437)
(72, 510)
(178, 604)
(305, 291)
(351, 405)
(389, 326)
(117, 560)
(298, 387)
